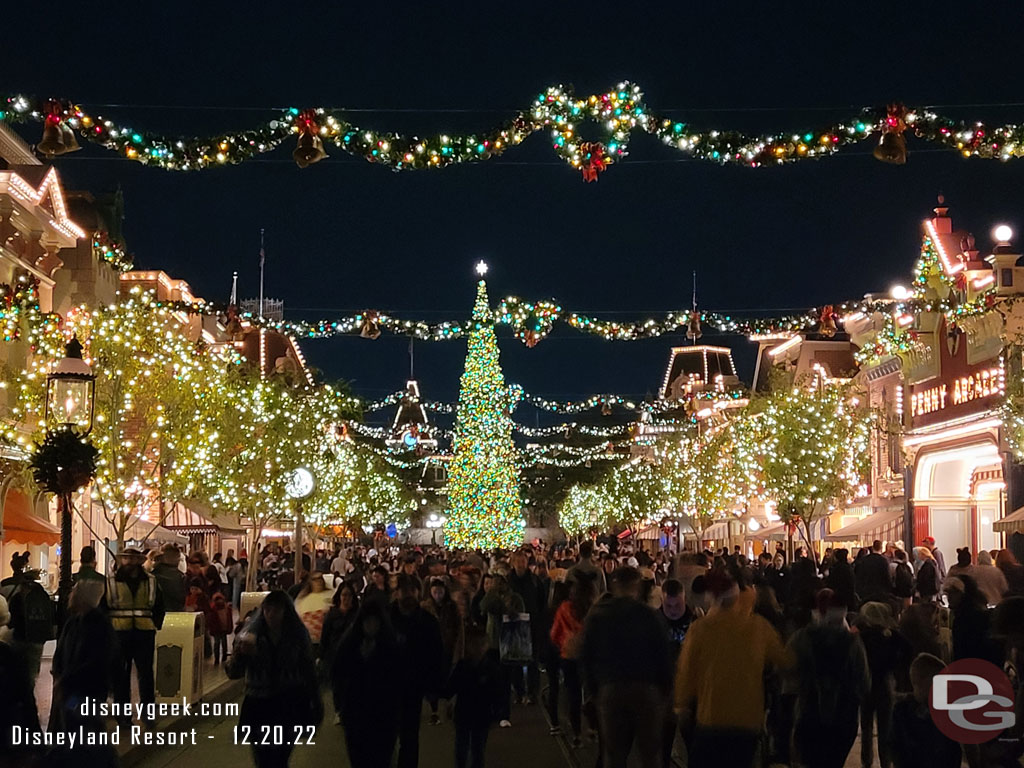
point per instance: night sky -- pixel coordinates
(345, 235)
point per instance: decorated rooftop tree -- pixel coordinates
(484, 509)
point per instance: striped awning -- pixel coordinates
(1011, 523)
(993, 473)
(885, 525)
(193, 517)
(774, 532)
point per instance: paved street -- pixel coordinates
(527, 743)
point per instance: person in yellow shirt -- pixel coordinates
(719, 677)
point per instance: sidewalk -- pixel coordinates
(213, 678)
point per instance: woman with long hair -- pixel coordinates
(366, 677)
(441, 606)
(566, 634)
(341, 616)
(927, 583)
(275, 656)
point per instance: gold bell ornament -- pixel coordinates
(892, 146)
(52, 143)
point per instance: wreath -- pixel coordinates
(63, 462)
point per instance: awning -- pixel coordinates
(716, 531)
(194, 517)
(879, 525)
(650, 533)
(991, 474)
(145, 531)
(22, 526)
(776, 532)
(1012, 522)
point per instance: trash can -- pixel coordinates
(250, 601)
(179, 657)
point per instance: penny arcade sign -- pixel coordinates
(958, 390)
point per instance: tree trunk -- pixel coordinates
(809, 538)
(250, 571)
(298, 542)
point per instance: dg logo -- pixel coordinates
(972, 701)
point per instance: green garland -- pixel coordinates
(63, 462)
(617, 112)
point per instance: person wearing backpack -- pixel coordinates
(902, 579)
(33, 621)
(831, 681)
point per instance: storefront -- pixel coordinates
(954, 447)
(207, 530)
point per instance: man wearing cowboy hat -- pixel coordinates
(136, 609)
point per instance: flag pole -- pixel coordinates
(263, 258)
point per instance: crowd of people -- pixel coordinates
(705, 658)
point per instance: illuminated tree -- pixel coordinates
(153, 406)
(355, 487)
(583, 509)
(700, 476)
(484, 509)
(630, 495)
(812, 448)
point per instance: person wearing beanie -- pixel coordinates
(719, 688)
(831, 681)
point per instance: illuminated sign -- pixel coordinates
(959, 391)
(962, 390)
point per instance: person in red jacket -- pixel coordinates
(566, 634)
(219, 623)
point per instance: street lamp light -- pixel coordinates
(70, 398)
(299, 485)
(434, 522)
(70, 392)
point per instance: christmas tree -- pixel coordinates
(484, 510)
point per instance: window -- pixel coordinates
(1007, 278)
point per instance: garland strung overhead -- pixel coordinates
(533, 322)
(605, 402)
(617, 113)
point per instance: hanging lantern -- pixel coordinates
(892, 146)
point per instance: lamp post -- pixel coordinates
(299, 485)
(433, 523)
(70, 401)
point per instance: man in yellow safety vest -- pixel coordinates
(136, 609)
